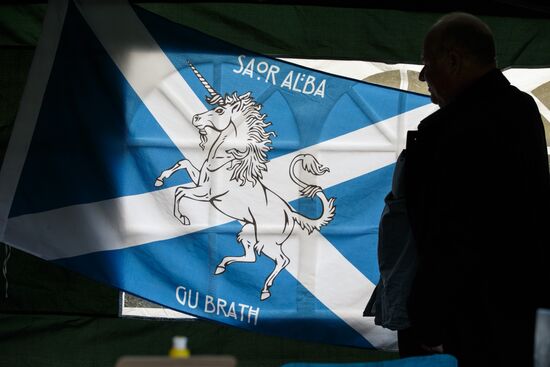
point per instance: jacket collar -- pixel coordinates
(479, 90)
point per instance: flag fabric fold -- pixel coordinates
(209, 179)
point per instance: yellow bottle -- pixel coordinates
(179, 347)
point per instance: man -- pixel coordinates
(478, 197)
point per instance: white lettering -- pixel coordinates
(240, 58)
(218, 306)
(231, 312)
(309, 85)
(253, 312)
(182, 299)
(243, 310)
(221, 306)
(273, 69)
(262, 67)
(189, 299)
(209, 306)
(249, 69)
(321, 89)
(296, 82)
(287, 82)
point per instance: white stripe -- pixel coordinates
(336, 283)
(134, 220)
(29, 108)
(147, 69)
(155, 312)
(527, 79)
(404, 77)
(152, 312)
(359, 70)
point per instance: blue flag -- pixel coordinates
(201, 176)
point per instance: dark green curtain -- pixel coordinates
(331, 32)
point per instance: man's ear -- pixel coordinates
(455, 62)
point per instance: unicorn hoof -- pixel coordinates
(158, 182)
(265, 295)
(219, 270)
(184, 220)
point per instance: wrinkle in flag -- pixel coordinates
(218, 182)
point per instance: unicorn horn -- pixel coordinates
(215, 96)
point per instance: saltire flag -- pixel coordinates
(206, 178)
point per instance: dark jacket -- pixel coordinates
(396, 258)
(478, 198)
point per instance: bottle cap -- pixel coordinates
(179, 342)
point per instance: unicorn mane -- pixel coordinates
(249, 163)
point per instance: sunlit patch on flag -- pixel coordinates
(204, 177)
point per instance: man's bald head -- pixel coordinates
(463, 33)
(458, 50)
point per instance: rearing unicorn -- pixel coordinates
(230, 179)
